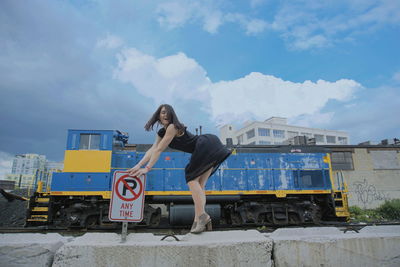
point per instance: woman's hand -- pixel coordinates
(138, 172)
(134, 169)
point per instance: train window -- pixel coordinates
(306, 180)
(73, 142)
(311, 179)
(90, 141)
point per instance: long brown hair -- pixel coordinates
(172, 118)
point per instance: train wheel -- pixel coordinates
(92, 222)
(294, 218)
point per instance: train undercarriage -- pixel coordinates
(91, 212)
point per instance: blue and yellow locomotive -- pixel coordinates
(260, 185)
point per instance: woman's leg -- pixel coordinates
(198, 196)
(203, 178)
(198, 193)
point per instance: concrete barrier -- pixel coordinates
(230, 248)
(29, 249)
(372, 246)
(318, 246)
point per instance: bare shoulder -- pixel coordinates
(171, 130)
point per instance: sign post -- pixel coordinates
(124, 231)
(127, 200)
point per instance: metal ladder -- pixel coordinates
(340, 197)
(38, 208)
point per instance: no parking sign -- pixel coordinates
(127, 198)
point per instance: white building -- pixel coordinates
(28, 163)
(51, 167)
(28, 169)
(276, 131)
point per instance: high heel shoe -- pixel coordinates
(203, 224)
(193, 226)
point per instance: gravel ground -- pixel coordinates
(13, 213)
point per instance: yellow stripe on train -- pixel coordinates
(278, 193)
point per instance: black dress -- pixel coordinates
(207, 152)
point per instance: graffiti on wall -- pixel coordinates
(367, 193)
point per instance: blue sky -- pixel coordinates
(109, 64)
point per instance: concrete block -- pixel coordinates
(381, 229)
(284, 233)
(29, 249)
(325, 247)
(218, 248)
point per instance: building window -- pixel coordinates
(229, 141)
(331, 139)
(250, 134)
(263, 132)
(279, 133)
(240, 139)
(252, 143)
(319, 138)
(342, 140)
(90, 141)
(264, 142)
(342, 161)
(292, 134)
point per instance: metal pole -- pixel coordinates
(124, 231)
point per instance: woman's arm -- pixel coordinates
(154, 152)
(146, 157)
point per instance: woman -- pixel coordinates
(207, 154)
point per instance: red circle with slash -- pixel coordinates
(127, 186)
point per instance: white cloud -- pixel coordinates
(178, 78)
(6, 161)
(302, 24)
(304, 42)
(311, 120)
(164, 80)
(255, 26)
(256, 3)
(110, 42)
(212, 21)
(373, 118)
(313, 24)
(266, 95)
(175, 14)
(396, 76)
(252, 26)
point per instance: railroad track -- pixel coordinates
(345, 227)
